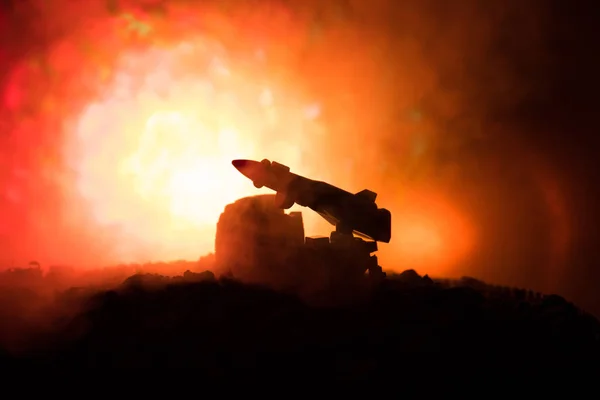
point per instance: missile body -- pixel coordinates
(349, 213)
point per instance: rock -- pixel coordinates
(411, 277)
(190, 276)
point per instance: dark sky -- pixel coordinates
(562, 121)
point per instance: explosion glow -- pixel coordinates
(119, 120)
(154, 155)
(149, 151)
(137, 110)
(430, 233)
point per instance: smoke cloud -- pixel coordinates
(425, 102)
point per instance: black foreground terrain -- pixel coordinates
(225, 328)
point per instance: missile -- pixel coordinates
(355, 213)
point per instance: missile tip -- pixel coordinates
(238, 164)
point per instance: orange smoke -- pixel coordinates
(147, 105)
(429, 234)
(553, 189)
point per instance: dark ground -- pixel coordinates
(225, 328)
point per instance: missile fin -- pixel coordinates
(367, 195)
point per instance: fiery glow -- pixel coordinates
(120, 118)
(154, 155)
(149, 106)
(429, 235)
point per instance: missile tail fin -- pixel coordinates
(367, 195)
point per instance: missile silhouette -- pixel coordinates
(348, 212)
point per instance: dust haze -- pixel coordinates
(423, 102)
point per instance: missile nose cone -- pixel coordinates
(250, 169)
(240, 164)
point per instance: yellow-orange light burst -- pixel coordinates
(154, 155)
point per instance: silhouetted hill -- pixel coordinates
(226, 328)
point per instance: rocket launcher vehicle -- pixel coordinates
(350, 213)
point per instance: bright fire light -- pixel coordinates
(154, 155)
